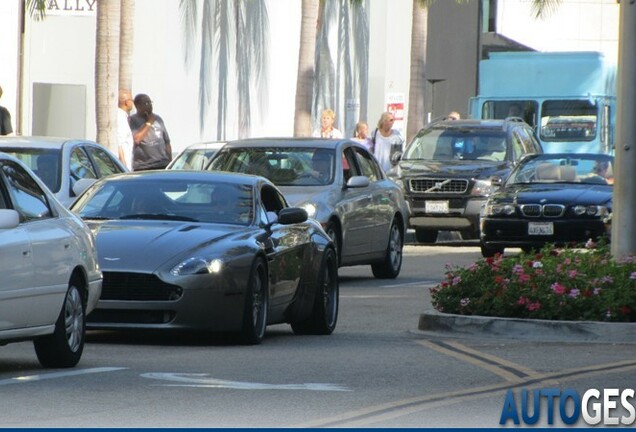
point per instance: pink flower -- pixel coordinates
(524, 277)
(574, 293)
(590, 244)
(517, 269)
(632, 275)
(537, 264)
(522, 300)
(558, 289)
(456, 280)
(534, 306)
(464, 302)
(597, 291)
(572, 274)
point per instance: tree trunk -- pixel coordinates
(417, 84)
(126, 44)
(306, 58)
(107, 72)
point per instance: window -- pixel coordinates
(525, 109)
(568, 120)
(28, 198)
(368, 166)
(104, 162)
(81, 166)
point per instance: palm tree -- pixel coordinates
(306, 70)
(126, 36)
(234, 38)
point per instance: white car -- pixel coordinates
(60, 163)
(50, 275)
(196, 156)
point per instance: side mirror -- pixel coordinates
(9, 219)
(292, 215)
(396, 157)
(358, 182)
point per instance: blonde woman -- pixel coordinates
(386, 140)
(327, 129)
(361, 135)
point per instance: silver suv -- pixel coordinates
(446, 171)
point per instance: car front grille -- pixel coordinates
(439, 185)
(138, 287)
(546, 210)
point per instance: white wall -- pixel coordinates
(576, 25)
(9, 12)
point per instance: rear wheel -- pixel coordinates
(425, 236)
(324, 314)
(491, 251)
(256, 304)
(390, 267)
(63, 348)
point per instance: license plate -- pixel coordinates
(436, 207)
(540, 228)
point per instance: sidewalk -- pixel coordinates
(449, 325)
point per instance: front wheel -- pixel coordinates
(256, 304)
(425, 236)
(324, 314)
(63, 348)
(390, 267)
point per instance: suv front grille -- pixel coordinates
(547, 210)
(439, 185)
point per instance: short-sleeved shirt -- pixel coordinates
(151, 152)
(5, 121)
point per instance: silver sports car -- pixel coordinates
(208, 251)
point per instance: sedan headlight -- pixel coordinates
(197, 265)
(590, 210)
(499, 210)
(310, 209)
(483, 188)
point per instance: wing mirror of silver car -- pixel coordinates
(358, 182)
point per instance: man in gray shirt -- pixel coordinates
(151, 148)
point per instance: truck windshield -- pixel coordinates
(568, 120)
(501, 109)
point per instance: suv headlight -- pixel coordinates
(483, 188)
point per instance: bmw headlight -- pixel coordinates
(499, 210)
(197, 265)
(310, 209)
(590, 210)
(483, 188)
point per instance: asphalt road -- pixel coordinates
(376, 370)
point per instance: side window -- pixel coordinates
(368, 166)
(81, 166)
(272, 200)
(28, 199)
(517, 146)
(349, 167)
(105, 164)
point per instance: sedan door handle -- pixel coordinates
(66, 246)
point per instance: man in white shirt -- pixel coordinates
(124, 134)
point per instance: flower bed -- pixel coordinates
(576, 284)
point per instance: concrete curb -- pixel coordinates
(525, 329)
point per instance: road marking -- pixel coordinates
(400, 408)
(505, 369)
(55, 375)
(206, 381)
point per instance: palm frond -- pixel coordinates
(189, 20)
(544, 8)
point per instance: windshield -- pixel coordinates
(568, 120)
(565, 168)
(457, 144)
(212, 202)
(283, 166)
(45, 163)
(192, 159)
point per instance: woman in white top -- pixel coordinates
(327, 130)
(386, 140)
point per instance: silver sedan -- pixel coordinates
(340, 184)
(60, 163)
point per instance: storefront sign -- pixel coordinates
(71, 7)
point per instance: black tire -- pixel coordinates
(390, 267)
(425, 236)
(333, 232)
(63, 348)
(256, 304)
(491, 251)
(324, 314)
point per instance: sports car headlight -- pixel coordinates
(197, 265)
(591, 210)
(310, 209)
(499, 210)
(483, 188)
